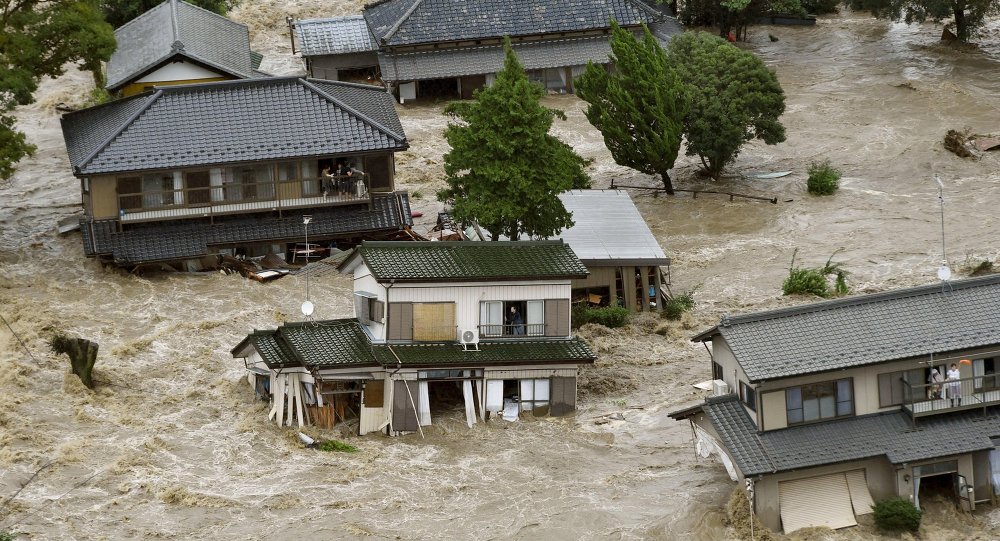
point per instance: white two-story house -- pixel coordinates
(825, 408)
(438, 326)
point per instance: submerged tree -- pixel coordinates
(639, 107)
(734, 98)
(504, 169)
(119, 12)
(37, 39)
(970, 15)
(82, 355)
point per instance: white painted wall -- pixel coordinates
(179, 71)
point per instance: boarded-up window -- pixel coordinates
(379, 170)
(434, 321)
(400, 321)
(563, 395)
(375, 393)
(557, 317)
(404, 398)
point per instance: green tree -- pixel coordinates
(119, 12)
(735, 98)
(504, 169)
(639, 107)
(970, 15)
(37, 39)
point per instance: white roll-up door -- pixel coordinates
(816, 501)
(861, 498)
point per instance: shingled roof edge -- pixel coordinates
(128, 122)
(398, 137)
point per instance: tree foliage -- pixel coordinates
(734, 98)
(119, 12)
(736, 15)
(970, 15)
(37, 39)
(504, 169)
(640, 107)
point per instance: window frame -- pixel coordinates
(748, 395)
(803, 396)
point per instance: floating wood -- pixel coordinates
(772, 200)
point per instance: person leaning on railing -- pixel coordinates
(327, 180)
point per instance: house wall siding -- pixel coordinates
(468, 296)
(364, 281)
(732, 373)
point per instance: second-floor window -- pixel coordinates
(748, 395)
(516, 319)
(422, 321)
(368, 308)
(819, 401)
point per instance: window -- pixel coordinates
(987, 368)
(249, 182)
(157, 190)
(534, 394)
(817, 401)
(512, 318)
(891, 385)
(716, 370)
(748, 395)
(368, 308)
(129, 192)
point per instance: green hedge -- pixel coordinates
(824, 179)
(609, 316)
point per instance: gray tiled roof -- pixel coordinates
(469, 261)
(186, 239)
(434, 64)
(866, 329)
(336, 35)
(338, 343)
(609, 230)
(409, 22)
(490, 353)
(178, 28)
(232, 122)
(884, 434)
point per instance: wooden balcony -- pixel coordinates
(920, 400)
(241, 198)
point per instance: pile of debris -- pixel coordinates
(270, 267)
(970, 145)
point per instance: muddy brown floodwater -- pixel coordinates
(172, 445)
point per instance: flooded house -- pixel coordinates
(445, 49)
(179, 43)
(184, 171)
(439, 327)
(615, 244)
(823, 409)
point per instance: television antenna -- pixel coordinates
(307, 305)
(944, 272)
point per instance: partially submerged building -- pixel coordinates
(614, 242)
(184, 171)
(442, 48)
(824, 408)
(434, 330)
(179, 43)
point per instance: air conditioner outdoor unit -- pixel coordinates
(470, 339)
(719, 387)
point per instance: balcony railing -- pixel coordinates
(238, 198)
(951, 395)
(512, 331)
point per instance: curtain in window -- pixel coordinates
(178, 187)
(536, 318)
(216, 183)
(491, 318)
(494, 395)
(423, 404)
(978, 369)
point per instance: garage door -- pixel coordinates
(861, 498)
(816, 501)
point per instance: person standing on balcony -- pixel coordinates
(953, 386)
(515, 321)
(327, 179)
(935, 380)
(344, 172)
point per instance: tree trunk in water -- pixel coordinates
(82, 356)
(960, 25)
(667, 185)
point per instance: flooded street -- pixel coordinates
(173, 445)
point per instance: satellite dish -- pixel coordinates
(944, 273)
(307, 307)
